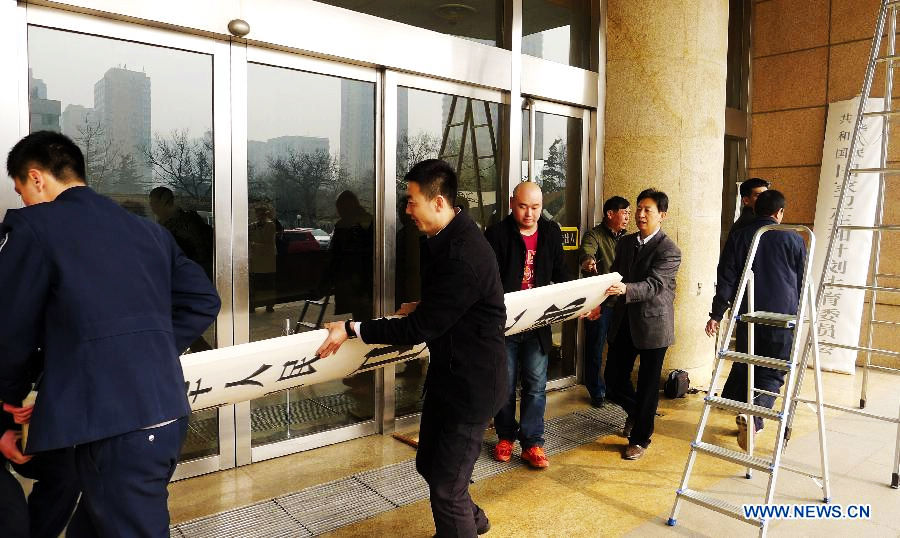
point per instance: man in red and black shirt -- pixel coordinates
(530, 254)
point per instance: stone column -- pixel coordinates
(665, 128)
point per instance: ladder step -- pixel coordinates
(713, 503)
(872, 350)
(857, 287)
(756, 360)
(886, 227)
(882, 113)
(774, 319)
(741, 458)
(743, 407)
(887, 58)
(888, 171)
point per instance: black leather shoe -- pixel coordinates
(597, 402)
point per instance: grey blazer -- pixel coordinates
(649, 276)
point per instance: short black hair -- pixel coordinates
(661, 199)
(753, 183)
(49, 150)
(434, 177)
(614, 204)
(769, 203)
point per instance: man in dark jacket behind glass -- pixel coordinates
(461, 317)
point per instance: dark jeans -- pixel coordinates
(524, 356)
(595, 338)
(763, 378)
(55, 492)
(640, 404)
(445, 459)
(124, 481)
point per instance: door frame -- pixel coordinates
(535, 106)
(218, 51)
(242, 56)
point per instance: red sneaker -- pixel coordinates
(535, 457)
(503, 450)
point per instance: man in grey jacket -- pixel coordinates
(644, 318)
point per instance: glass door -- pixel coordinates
(554, 153)
(432, 119)
(118, 90)
(309, 239)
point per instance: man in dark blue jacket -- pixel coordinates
(777, 285)
(461, 317)
(530, 254)
(112, 301)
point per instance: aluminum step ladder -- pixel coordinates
(806, 310)
(455, 154)
(875, 284)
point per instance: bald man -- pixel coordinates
(530, 254)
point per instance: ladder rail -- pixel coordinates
(883, 171)
(879, 209)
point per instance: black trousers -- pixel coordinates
(124, 480)
(763, 378)
(445, 459)
(640, 403)
(13, 507)
(55, 492)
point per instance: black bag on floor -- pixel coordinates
(677, 384)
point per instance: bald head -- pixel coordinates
(526, 204)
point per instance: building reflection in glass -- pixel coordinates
(147, 144)
(311, 187)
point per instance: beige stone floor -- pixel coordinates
(591, 491)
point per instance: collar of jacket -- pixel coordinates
(441, 241)
(765, 218)
(650, 245)
(512, 227)
(605, 229)
(72, 192)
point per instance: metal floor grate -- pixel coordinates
(326, 507)
(261, 520)
(399, 483)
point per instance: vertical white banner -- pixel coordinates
(840, 315)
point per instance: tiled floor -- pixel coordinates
(590, 491)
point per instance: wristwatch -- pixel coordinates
(348, 327)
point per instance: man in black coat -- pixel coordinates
(530, 254)
(461, 317)
(777, 284)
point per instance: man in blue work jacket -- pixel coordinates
(112, 302)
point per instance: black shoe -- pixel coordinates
(597, 402)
